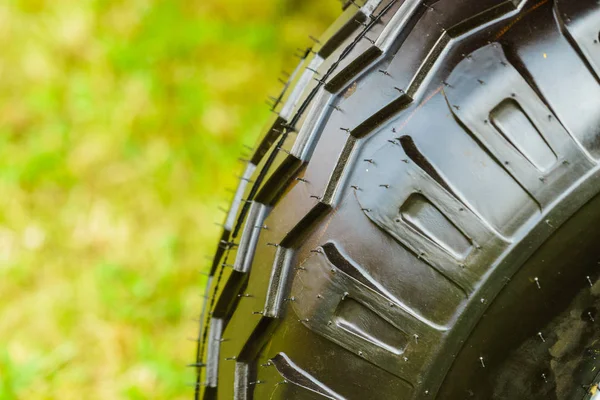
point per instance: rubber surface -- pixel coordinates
(429, 164)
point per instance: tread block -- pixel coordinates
(575, 100)
(425, 217)
(237, 198)
(458, 163)
(443, 13)
(511, 121)
(249, 316)
(384, 99)
(363, 50)
(325, 61)
(313, 86)
(213, 346)
(483, 88)
(431, 215)
(402, 74)
(581, 21)
(292, 216)
(333, 145)
(351, 269)
(305, 79)
(308, 198)
(409, 11)
(341, 55)
(278, 285)
(297, 376)
(355, 318)
(238, 331)
(327, 363)
(241, 382)
(383, 265)
(228, 280)
(320, 289)
(311, 128)
(249, 239)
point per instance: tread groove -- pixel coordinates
(411, 150)
(297, 376)
(271, 190)
(391, 109)
(335, 257)
(294, 237)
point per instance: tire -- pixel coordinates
(421, 219)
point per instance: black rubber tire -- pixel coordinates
(421, 219)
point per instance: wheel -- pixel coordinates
(421, 219)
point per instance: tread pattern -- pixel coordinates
(445, 219)
(324, 314)
(381, 202)
(481, 115)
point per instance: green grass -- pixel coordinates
(120, 127)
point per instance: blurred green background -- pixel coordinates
(120, 127)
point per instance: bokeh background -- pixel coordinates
(120, 127)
